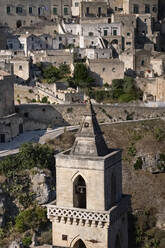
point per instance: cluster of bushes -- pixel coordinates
(31, 155)
(51, 73)
(80, 78)
(125, 90)
(121, 90)
(31, 219)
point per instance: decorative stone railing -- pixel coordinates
(87, 217)
(78, 216)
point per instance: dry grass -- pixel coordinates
(63, 142)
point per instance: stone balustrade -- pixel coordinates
(79, 216)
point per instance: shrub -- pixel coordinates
(30, 156)
(138, 164)
(1, 233)
(159, 133)
(30, 219)
(64, 70)
(127, 97)
(27, 240)
(44, 99)
(51, 74)
(81, 76)
(132, 150)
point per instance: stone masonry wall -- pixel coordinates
(56, 115)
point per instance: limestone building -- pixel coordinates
(90, 209)
(10, 123)
(18, 13)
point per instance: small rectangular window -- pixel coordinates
(136, 9)
(30, 10)
(76, 4)
(114, 32)
(19, 10)
(8, 10)
(147, 8)
(54, 11)
(154, 9)
(105, 32)
(64, 237)
(65, 11)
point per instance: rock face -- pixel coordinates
(2, 208)
(43, 187)
(16, 244)
(154, 163)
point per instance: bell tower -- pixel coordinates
(90, 209)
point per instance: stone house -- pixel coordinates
(92, 9)
(105, 70)
(27, 13)
(31, 42)
(128, 26)
(157, 61)
(128, 58)
(54, 57)
(98, 29)
(21, 69)
(149, 64)
(62, 41)
(13, 43)
(141, 7)
(10, 124)
(155, 90)
(142, 62)
(90, 53)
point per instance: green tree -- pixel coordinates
(32, 218)
(30, 156)
(51, 74)
(81, 76)
(125, 90)
(64, 70)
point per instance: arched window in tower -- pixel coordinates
(79, 192)
(113, 189)
(79, 244)
(117, 242)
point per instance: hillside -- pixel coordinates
(143, 145)
(27, 181)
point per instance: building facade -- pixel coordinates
(10, 123)
(90, 209)
(18, 13)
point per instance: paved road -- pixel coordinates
(31, 136)
(42, 135)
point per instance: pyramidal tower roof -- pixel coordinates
(89, 140)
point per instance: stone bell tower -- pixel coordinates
(90, 210)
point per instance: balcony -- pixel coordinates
(91, 218)
(78, 216)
